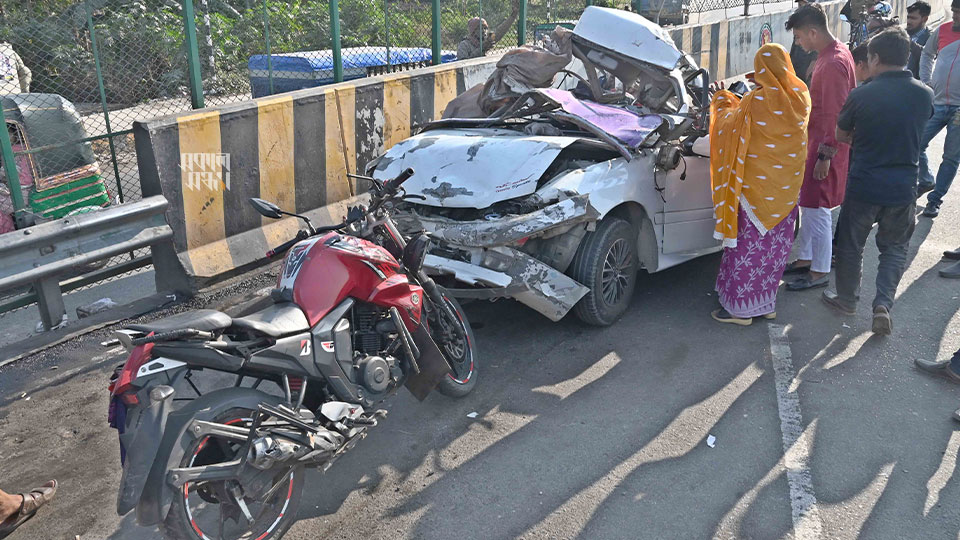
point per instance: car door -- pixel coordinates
(688, 221)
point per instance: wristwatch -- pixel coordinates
(823, 157)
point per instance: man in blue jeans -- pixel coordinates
(937, 71)
(884, 120)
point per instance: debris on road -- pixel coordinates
(711, 441)
(110, 343)
(93, 308)
(472, 415)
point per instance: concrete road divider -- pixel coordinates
(293, 149)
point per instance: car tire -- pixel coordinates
(607, 263)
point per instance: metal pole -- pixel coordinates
(386, 28)
(335, 40)
(266, 36)
(13, 178)
(435, 34)
(50, 302)
(746, 7)
(193, 56)
(480, 16)
(208, 39)
(522, 24)
(103, 99)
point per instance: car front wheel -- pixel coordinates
(607, 263)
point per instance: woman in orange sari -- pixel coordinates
(757, 157)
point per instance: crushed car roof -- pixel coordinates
(628, 34)
(472, 169)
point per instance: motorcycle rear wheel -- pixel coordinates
(273, 519)
(462, 356)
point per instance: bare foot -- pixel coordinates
(9, 506)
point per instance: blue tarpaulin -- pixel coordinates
(293, 71)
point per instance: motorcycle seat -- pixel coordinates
(204, 320)
(277, 320)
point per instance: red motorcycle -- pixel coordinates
(353, 318)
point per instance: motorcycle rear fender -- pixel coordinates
(144, 428)
(157, 494)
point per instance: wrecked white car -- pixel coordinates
(559, 198)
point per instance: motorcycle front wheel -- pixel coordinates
(218, 509)
(460, 353)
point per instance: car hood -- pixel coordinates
(471, 168)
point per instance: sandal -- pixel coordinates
(724, 316)
(28, 508)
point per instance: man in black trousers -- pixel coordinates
(884, 120)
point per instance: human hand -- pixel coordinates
(821, 169)
(715, 87)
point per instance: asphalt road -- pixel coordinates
(821, 430)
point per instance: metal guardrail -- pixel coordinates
(41, 255)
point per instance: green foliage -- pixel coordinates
(142, 42)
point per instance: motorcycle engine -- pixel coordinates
(376, 372)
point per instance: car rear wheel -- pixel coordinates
(607, 263)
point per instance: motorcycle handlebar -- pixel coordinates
(282, 248)
(390, 188)
(392, 185)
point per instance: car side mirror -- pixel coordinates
(266, 209)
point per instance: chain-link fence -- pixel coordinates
(79, 79)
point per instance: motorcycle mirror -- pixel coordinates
(265, 208)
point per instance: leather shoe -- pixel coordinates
(831, 299)
(805, 283)
(882, 321)
(28, 508)
(952, 271)
(794, 268)
(953, 255)
(924, 188)
(932, 210)
(940, 368)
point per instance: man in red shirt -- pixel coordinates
(825, 177)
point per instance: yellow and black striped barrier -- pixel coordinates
(293, 149)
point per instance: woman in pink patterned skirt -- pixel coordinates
(757, 157)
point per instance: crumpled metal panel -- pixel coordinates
(629, 34)
(548, 291)
(471, 168)
(498, 232)
(529, 281)
(625, 125)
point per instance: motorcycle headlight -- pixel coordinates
(415, 252)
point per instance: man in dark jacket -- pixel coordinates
(917, 15)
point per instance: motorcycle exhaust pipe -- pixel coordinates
(272, 451)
